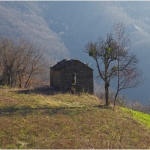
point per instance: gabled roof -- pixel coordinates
(63, 63)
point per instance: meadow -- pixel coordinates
(35, 120)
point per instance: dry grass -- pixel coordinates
(71, 126)
(13, 99)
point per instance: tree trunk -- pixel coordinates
(115, 98)
(107, 93)
(28, 79)
(20, 82)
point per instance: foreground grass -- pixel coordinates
(72, 126)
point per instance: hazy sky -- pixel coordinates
(64, 28)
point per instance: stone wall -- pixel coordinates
(84, 77)
(55, 79)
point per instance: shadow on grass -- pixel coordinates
(24, 111)
(46, 91)
(49, 111)
(40, 90)
(102, 106)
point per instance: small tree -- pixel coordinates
(128, 75)
(104, 53)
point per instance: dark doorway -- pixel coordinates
(74, 79)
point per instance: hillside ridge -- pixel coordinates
(67, 121)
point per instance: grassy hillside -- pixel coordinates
(31, 120)
(139, 116)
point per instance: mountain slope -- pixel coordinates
(25, 20)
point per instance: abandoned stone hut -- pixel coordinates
(71, 74)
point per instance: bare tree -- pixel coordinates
(20, 62)
(36, 67)
(128, 74)
(113, 60)
(9, 53)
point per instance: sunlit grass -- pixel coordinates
(140, 116)
(11, 98)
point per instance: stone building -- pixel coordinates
(71, 74)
